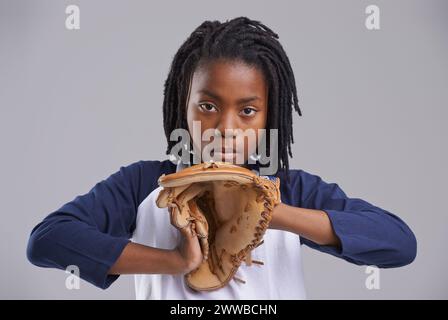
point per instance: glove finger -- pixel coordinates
(201, 227)
(181, 213)
(204, 246)
(167, 194)
(177, 219)
(191, 192)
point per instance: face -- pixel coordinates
(226, 96)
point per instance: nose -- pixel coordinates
(226, 127)
(227, 122)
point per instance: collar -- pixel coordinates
(253, 167)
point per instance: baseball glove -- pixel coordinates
(228, 207)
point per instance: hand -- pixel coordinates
(188, 254)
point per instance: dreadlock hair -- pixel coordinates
(240, 39)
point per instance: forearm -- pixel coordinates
(140, 259)
(311, 224)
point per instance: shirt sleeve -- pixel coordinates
(368, 234)
(91, 231)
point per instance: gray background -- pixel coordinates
(77, 105)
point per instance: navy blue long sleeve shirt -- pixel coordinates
(92, 230)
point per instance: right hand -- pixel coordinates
(188, 253)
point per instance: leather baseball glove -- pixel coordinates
(228, 207)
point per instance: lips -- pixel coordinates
(229, 155)
(223, 153)
(225, 156)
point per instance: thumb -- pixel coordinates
(188, 231)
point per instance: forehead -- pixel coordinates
(229, 78)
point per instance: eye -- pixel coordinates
(248, 111)
(207, 107)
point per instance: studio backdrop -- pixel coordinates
(81, 93)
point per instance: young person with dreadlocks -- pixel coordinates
(226, 75)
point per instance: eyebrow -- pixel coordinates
(239, 101)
